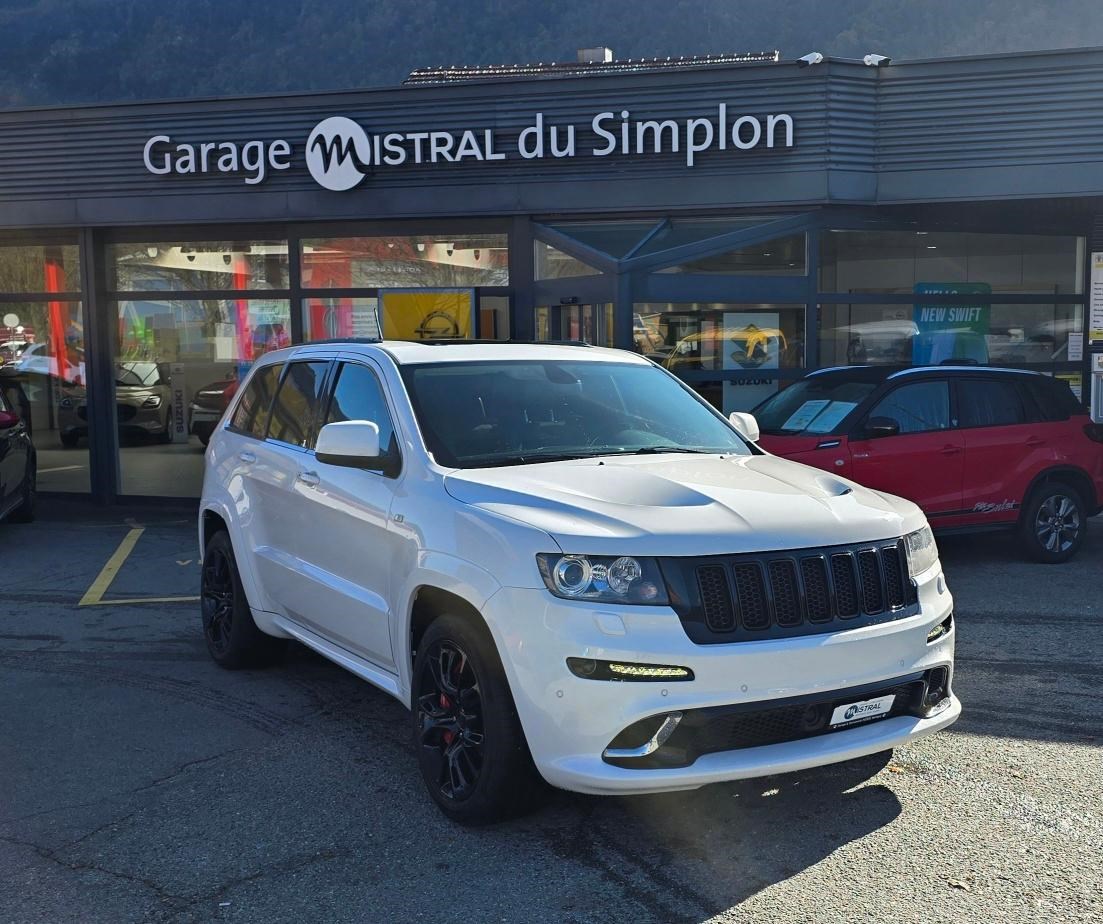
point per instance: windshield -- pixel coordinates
(479, 414)
(815, 405)
(137, 375)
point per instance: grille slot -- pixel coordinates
(846, 584)
(783, 583)
(891, 567)
(873, 594)
(716, 597)
(817, 593)
(750, 591)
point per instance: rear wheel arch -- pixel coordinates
(212, 522)
(1074, 477)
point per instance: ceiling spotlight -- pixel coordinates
(808, 60)
(876, 60)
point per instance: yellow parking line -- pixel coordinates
(141, 600)
(94, 594)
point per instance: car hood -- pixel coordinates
(685, 505)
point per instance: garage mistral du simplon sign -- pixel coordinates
(340, 153)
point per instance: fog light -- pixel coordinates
(943, 628)
(590, 669)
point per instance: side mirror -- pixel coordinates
(8, 419)
(745, 425)
(877, 427)
(352, 443)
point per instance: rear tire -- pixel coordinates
(470, 745)
(233, 639)
(69, 440)
(1053, 523)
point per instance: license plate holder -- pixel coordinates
(862, 711)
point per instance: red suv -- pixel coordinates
(974, 447)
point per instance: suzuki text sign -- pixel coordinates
(340, 152)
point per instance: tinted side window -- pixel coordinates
(1054, 398)
(251, 415)
(989, 403)
(296, 403)
(918, 407)
(358, 396)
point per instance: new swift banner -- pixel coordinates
(951, 332)
(340, 152)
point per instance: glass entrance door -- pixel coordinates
(591, 323)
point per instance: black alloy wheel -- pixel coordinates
(217, 601)
(450, 719)
(1054, 522)
(233, 639)
(470, 746)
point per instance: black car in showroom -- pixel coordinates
(17, 463)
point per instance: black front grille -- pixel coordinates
(806, 591)
(749, 725)
(125, 412)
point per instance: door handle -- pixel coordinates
(950, 450)
(1034, 441)
(310, 479)
(247, 456)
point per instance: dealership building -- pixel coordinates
(742, 219)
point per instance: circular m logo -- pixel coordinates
(338, 153)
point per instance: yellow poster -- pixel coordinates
(426, 315)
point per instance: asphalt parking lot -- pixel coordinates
(139, 782)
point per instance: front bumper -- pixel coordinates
(570, 721)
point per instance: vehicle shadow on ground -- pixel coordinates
(676, 857)
(689, 856)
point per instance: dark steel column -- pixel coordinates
(522, 321)
(100, 321)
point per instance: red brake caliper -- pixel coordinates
(446, 703)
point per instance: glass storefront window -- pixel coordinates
(198, 266)
(754, 344)
(402, 262)
(28, 268)
(591, 324)
(999, 334)
(615, 238)
(694, 230)
(552, 263)
(42, 376)
(784, 256)
(899, 261)
(178, 363)
(327, 318)
(494, 317)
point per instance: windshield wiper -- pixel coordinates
(656, 450)
(527, 458)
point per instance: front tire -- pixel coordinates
(1054, 522)
(233, 639)
(471, 748)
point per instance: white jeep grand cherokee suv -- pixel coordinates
(568, 566)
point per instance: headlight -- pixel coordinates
(603, 578)
(152, 401)
(922, 552)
